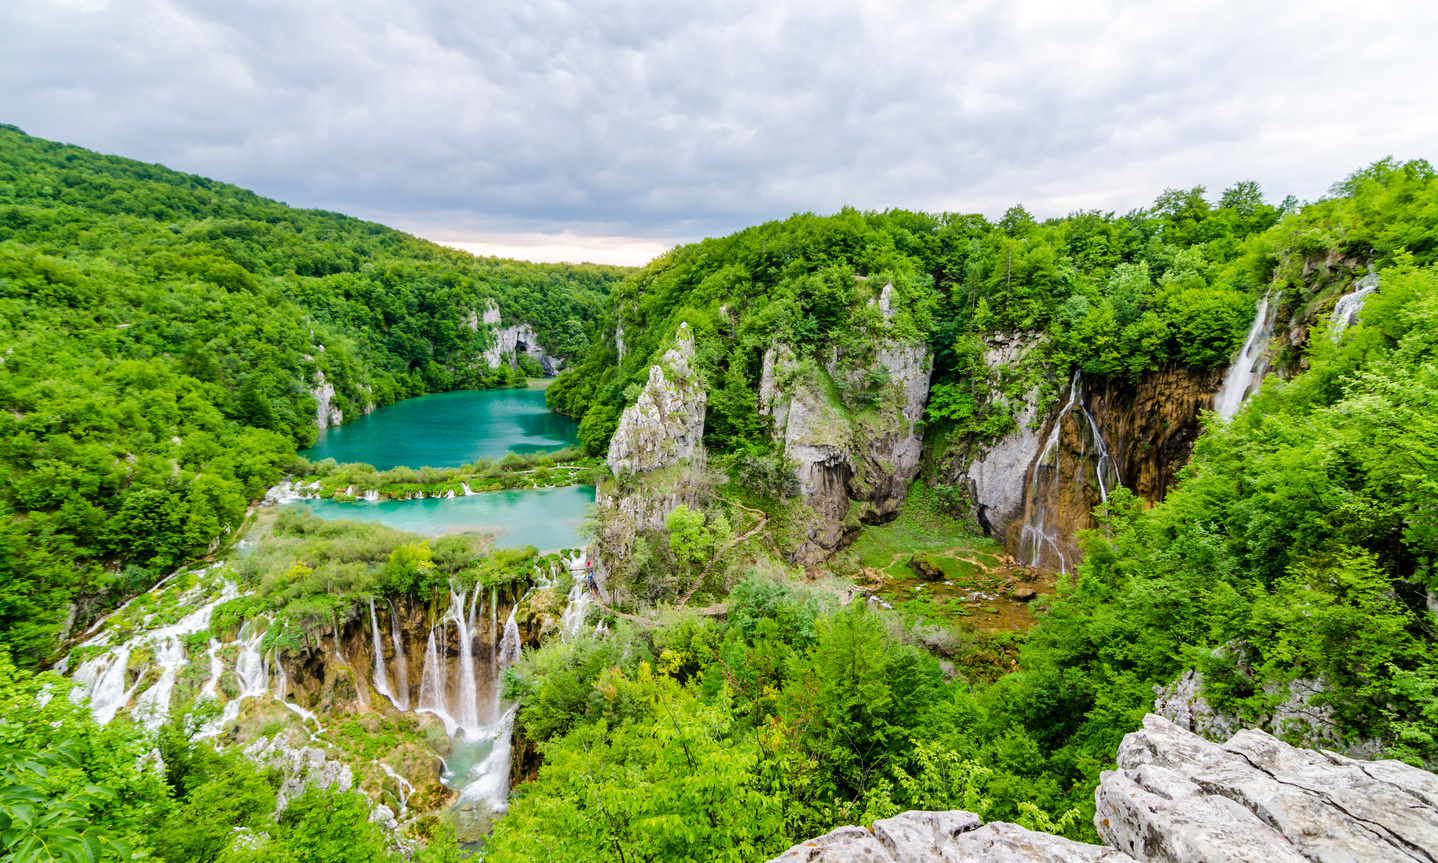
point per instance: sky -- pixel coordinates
(610, 130)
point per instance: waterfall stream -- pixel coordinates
(381, 680)
(1346, 310)
(1041, 541)
(1247, 370)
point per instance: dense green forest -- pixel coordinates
(160, 338)
(1118, 294)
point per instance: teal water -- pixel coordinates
(448, 430)
(546, 518)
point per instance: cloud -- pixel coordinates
(657, 120)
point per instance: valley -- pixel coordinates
(321, 540)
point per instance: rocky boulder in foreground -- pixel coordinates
(1179, 798)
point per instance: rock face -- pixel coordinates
(327, 413)
(299, 768)
(665, 424)
(507, 340)
(1179, 798)
(852, 427)
(1294, 713)
(945, 837)
(1146, 430)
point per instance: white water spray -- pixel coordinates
(1247, 370)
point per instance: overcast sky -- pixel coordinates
(610, 129)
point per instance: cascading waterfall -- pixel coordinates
(401, 664)
(1247, 370)
(577, 606)
(509, 644)
(1346, 310)
(381, 680)
(1040, 541)
(431, 684)
(468, 717)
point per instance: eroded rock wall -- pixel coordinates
(853, 428)
(1147, 430)
(657, 456)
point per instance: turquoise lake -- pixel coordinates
(448, 430)
(546, 518)
(454, 429)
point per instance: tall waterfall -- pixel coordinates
(431, 684)
(1040, 543)
(1247, 370)
(381, 680)
(401, 664)
(1346, 310)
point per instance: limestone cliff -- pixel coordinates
(507, 340)
(656, 455)
(1178, 798)
(852, 425)
(1036, 487)
(666, 422)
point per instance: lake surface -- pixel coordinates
(546, 518)
(448, 430)
(454, 429)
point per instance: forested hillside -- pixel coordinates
(162, 337)
(1117, 293)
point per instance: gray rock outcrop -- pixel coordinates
(508, 340)
(299, 768)
(1297, 714)
(1181, 799)
(1178, 798)
(666, 422)
(327, 413)
(945, 837)
(852, 427)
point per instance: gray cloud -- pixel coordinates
(662, 119)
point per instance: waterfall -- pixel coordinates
(431, 684)
(465, 486)
(103, 677)
(103, 680)
(406, 790)
(381, 682)
(1247, 370)
(217, 668)
(579, 600)
(468, 717)
(153, 705)
(252, 676)
(401, 665)
(509, 645)
(1346, 310)
(1040, 542)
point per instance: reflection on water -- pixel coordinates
(448, 430)
(546, 518)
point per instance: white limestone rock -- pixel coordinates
(299, 768)
(844, 845)
(327, 413)
(997, 475)
(1177, 797)
(945, 837)
(1001, 842)
(869, 456)
(666, 423)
